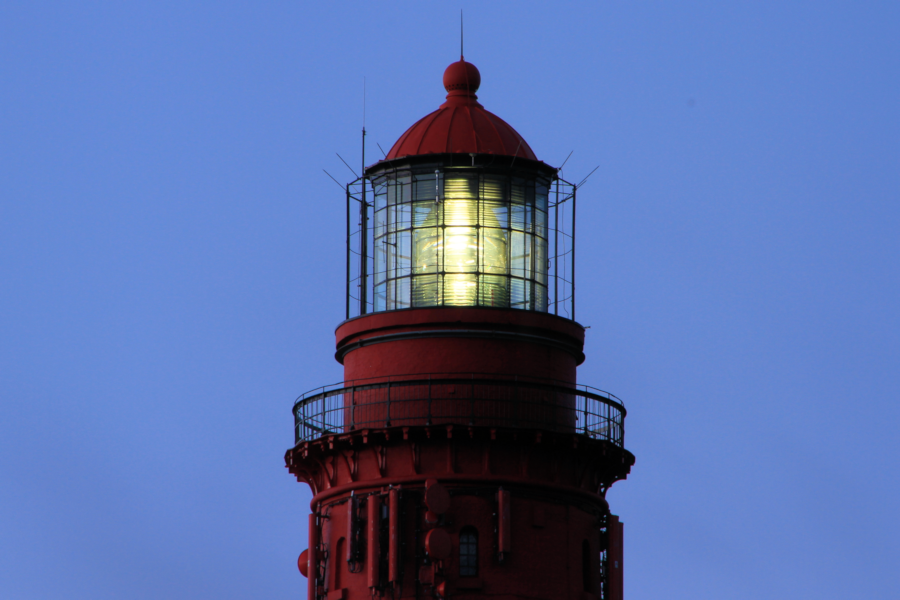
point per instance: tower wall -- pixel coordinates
(546, 539)
(503, 343)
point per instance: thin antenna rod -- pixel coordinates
(340, 185)
(364, 236)
(460, 34)
(348, 166)
(565, 161)
(364, 223)
(364, 137)
(586, 178)
(382, 149)
(516, 155)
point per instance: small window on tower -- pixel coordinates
(468, 552)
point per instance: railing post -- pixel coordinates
(621, 431)
(352, 408)
(574, 189)
(305, 417)
(586, 415)
(348, 255)
(555, 250)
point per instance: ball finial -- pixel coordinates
(462, 76)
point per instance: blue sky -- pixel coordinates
(171, 265)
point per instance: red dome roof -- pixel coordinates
(461, 125)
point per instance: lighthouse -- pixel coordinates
(460, 457)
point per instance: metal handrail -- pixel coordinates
(470, 401)
(464, 376)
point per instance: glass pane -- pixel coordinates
(380, 256)
(381, 220)
(426, 189)
(392, 192)
(401, 293)
(520, 217)
(493, 187)
(389, 295)
(460, 212)
(541, 266)
(520, 293)
(404, 189)
(494, 213)
(494, 251)
(460, 200)
(402, 217)
(460, 290)
(426, 214)
(460, 186)
(380, 196)
(518, 254)
(389, 249)
(426, 256)
(493, 290)
(404, 253)
(381, 297)
(517, 190)
(460, 249)
(540, 298)
(528, 258)
(540, 223)
(541, 190)
(426, 290)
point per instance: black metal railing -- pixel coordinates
(472, 401)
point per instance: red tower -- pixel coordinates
(459, 457)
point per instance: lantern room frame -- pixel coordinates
(552, 287)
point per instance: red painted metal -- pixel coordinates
(437, 499)
(394, 536)
(433, 341)
(352, 508)
(461, 125)
(373, 541)
(614, 559)
(303, 563)
(504, 523)
(438, 544)
(426, 575)
(312, 569)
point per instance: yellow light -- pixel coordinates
(472, 242)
